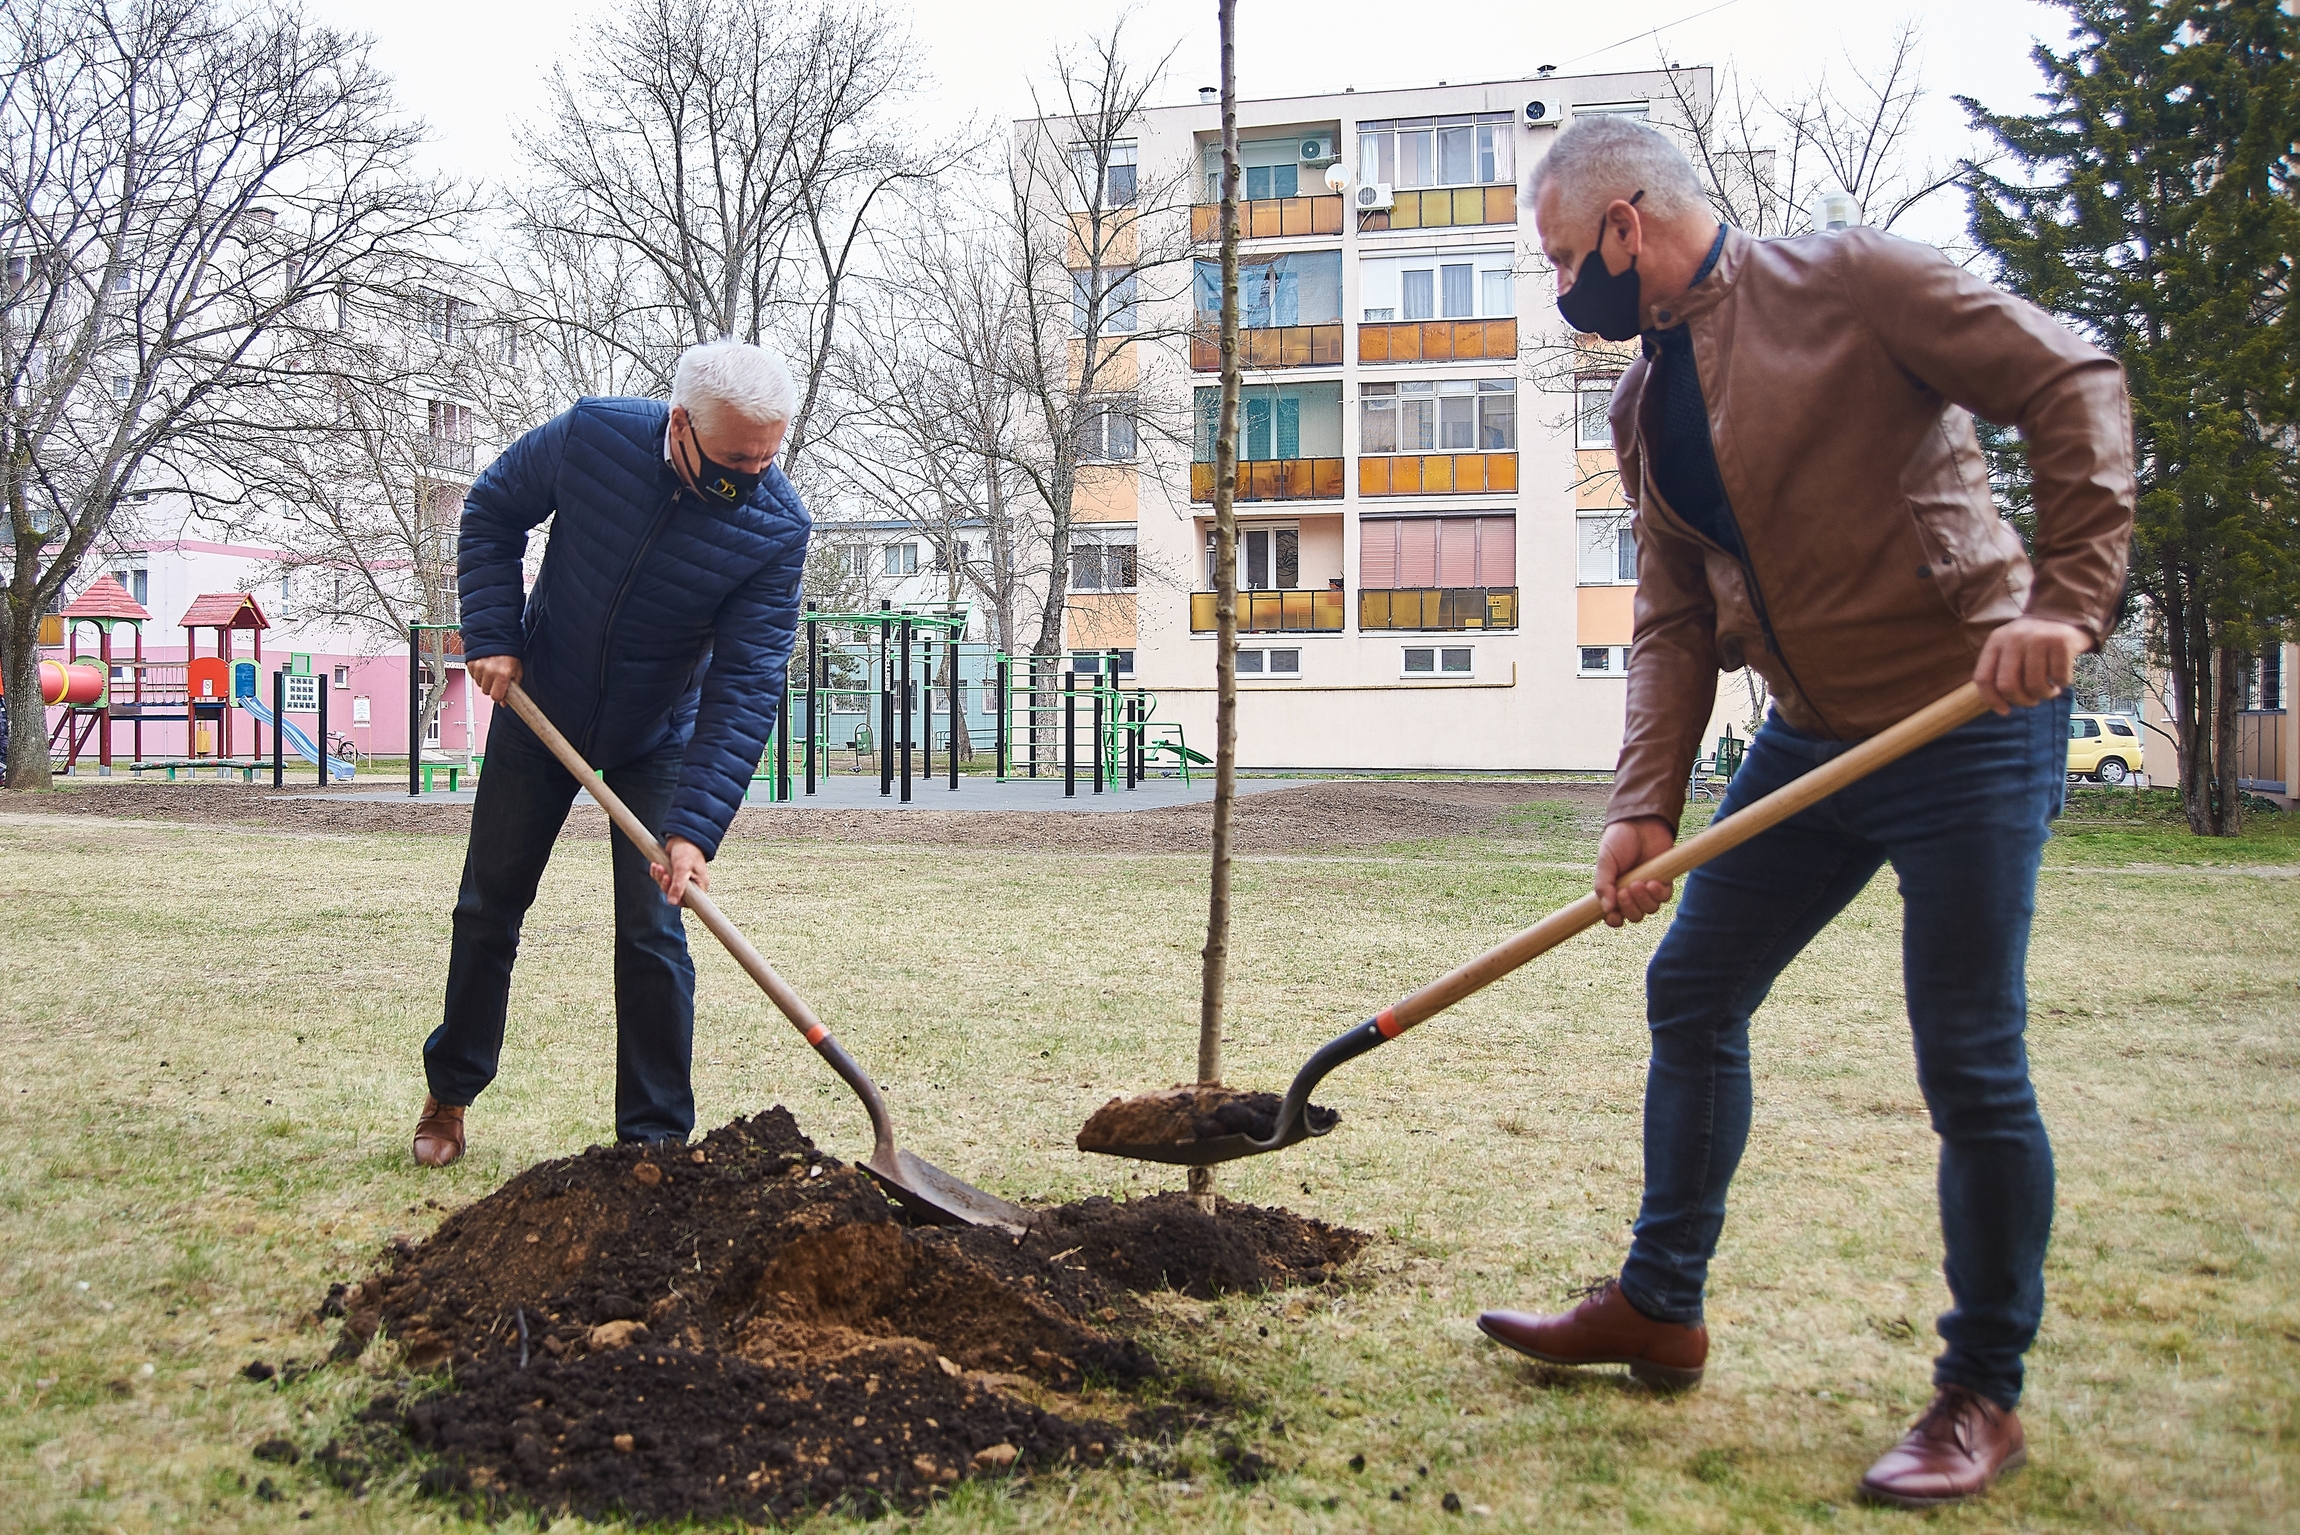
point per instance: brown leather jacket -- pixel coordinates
(1842, 374)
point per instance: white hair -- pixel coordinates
(735, 376)
(1603, 156)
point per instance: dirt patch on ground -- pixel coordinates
(1326, 814)
(744, 1328)
(1176, 1116)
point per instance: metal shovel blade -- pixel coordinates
(929, 1194)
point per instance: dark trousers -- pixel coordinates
(1963, 823)
(523, 801)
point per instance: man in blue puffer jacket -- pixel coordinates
(656, 639)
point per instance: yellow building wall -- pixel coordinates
(1100, 620)
(1121, 243)
(1106, 493)
(1602, 614)
(1119, 369)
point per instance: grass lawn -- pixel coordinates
(208, 1072)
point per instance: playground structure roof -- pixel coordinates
(107, 598)
(224, 610)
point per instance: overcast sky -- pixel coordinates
(474, 71)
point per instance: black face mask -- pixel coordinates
(1604, 302)
(715, 482)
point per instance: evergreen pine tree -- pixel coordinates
(2156, 212)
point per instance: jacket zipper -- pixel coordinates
(1748, 574)
(615, 609)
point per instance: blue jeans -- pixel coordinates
(1963, 822)
(523, 801)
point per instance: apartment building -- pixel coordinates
(1435, 563)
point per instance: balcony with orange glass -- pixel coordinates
(1447, 172)
(1437, 437)
(1281, 192)
(1289, 312)
(1289, 578)
(1289, 443)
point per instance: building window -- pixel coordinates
(1276, 421)
(1269, 663)
(1092, 663)
(1455, 415)
(138, 582)
(1102, 559)
(507, 345)
(1591, 397)
(1117, 181)
(1304, 288)
(1608, 550)
(1439, 660)
(451, 422)
(443, 319)
(1269, 559)
(1106, 433)
(1267, 167)
(902, 559)
(343, 676)
(1604, 660)
(1465, 150)
(1420, 553)
(1460, 285)
(1117, 293)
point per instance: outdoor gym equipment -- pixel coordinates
(923, 1189)
(1294, 1122)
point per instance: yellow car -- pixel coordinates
(2103, 747)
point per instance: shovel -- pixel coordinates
(920, 1187)
(1927, 724)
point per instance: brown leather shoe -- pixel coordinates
(1606, 1329)
(439, 1133)
(1962, 1444)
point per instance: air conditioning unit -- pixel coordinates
(1376, 197)
(1318, 151)
(1536, 112)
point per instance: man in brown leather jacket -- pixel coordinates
(1797, 443)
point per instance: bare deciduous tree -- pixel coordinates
(367, 500)
(193, 200)
(1099, 239)
(935, 429)
(713, 170)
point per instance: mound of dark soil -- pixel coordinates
(745, 1328)
(1175, 1116)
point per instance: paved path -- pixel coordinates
(859, 791)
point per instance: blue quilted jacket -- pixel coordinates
(655, 619)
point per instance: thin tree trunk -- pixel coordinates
(2227, 722)
(1217, 953)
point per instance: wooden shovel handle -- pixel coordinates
(698, 901)
(1927, 724)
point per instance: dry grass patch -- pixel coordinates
(208, 1044)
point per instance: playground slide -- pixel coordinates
(297, 741)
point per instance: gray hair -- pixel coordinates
(1601, 156)
(728, 375)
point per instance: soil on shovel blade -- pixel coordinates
(1176, 1116)
(743, 1327)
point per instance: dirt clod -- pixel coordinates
(1176, 1116)
(757, 1334)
